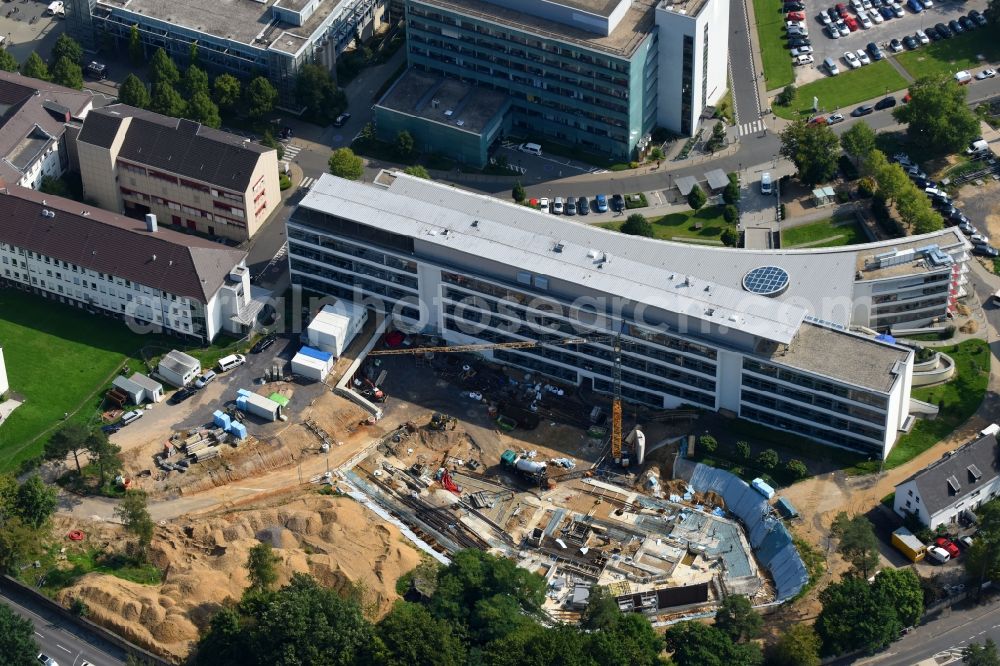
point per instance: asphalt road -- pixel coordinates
(64, 641)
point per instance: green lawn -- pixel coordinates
(825, 233)
(56, 574)
(959, 399)
(682, 225)
(844, 90)
(771, 35)
(59, 358)
(952, 55)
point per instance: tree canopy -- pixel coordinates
(737, 618)
(859, 141)
(856, 615)
(261, 566)
(981, 655)
(636, 224)
(316, 90)
(202, 109)
(136, 53)
(67, 47)
(813, 149)
(418, 170)
(344, 163)
(163, 70)
(858, 543)
(696, 198)
(69, 439)
(797, 646)
(261, 97)
(937, 116)
(17, 639)
(8, 63)
(226, 91)
(196, 81)
(697, 644)
(131, 510)
(36, 68)
(133, 92)
(67, 73)
(167, 100)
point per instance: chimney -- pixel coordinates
(151, 223)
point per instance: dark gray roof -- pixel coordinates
(967, 468)
(178, 146)
(109, 243)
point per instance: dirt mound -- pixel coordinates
(335, 539)
(444, 440)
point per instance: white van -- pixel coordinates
(227, 363)
(938, 554)
(765, 183)
(530, 148)
(55, 8)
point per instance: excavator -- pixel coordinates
(616, 402)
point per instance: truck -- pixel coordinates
(908, 544)
(529, 469)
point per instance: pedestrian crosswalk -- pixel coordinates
(291, 150)
(307, 182)
(755, 127)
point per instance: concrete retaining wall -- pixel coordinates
(939, 369)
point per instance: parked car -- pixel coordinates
(927, 3)
(47, 660)
(617, 203)
(227, 363)
(852, 60)
(824, 18)
(921, 37)
(264, 343)
(966, 541)
(886, 13)
(601, 202)
(835, 118)
(842, 28)
(180, 395)
(796, 42)
(341, 120)
(795, 16)
(966, 23)
(939, 555)
(543, 204)
(864, 20)
(833, 31)
(897, 10)
(915, 6)
(923, 183)
(876, 17)
(968, 229)
(97, 70)
(885, 103)
(910, 42)
(863, 57)
(111, 428)
(874, 51)
(932, 34)
(863, 110)
(796, 24)
(801, 50)
(986, 74)
(582, 206)
(131, 417)
(794, 7)
(569, 208)
(557, 206)
(977, 18)
(833, 14)
(943, 30)
(895, 46)
(841, 9)
(817, 120)
(831, 66)
(979, 239)
(852, 23)
(205, 379)
(798, 61)
(955, 27)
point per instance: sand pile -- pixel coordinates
(335, 539)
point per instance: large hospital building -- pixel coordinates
(767, 335)
(599, 74)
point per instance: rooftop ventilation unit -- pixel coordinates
(558, 247)
(953, 484)
(975, 473)
(47, 213)
(449, 113)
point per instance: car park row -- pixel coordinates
(581, 205)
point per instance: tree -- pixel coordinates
(718, 138)
(136, 53)
(414, 637)
(786, 96)
(19, 542)
(269, 141)
(196, 81)
(405, 144)
(260, 567)
(518, 192)
(105, 455)
(7, 62)
(902, 588)
(202, 109)
(17, 639)
(858, 543)
(70, 438)
(981, 655)
(133, 92)
(982, 559)
(193, 54)
(163, 70)
(602, 610)
(656, 154)
(227, 91)
(67, 73)
(636, 224)
(813, 149)
(737, 618)
(797, 468)
(709, 443)
(859, 141)
(798, 646)
(316, 90)
(696, 197)
(854, 617)
(136, 521)
(937, 116)
(34, 502)
(731, 195)
(261, 97)
(417, 170)
(730, 214)
(67, 47)
(730, 237)
(696, 644)
(35, 68)
(744, 449)
(344, 163)
(167, 101)
(768, 459)
(631, 640)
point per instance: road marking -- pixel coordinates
(291, 150)
(752, 128)
(64, 649)
(39, 635)
(307, 182)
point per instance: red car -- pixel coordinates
(952, 549)
(841, 9)
(852, 23)
(795, 16)
(817, 120)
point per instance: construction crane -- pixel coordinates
(616, 402)
(524, 344)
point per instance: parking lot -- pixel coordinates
(825, 47)
(28, 29)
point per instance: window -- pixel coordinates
(524, 278)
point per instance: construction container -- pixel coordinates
(258, 405)
(909, 545)
(238, 430)
(221, 419)
(761, 487)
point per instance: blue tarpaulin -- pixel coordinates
(316, 354)
(885, 337)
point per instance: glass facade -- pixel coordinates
(601, 102)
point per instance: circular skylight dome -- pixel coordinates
(766, 281)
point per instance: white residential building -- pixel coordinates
(4, 386)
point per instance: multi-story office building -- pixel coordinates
(137, 162)
(36, 129)
(720, 329)
(158, 279)
(241, 37)
(599, 74)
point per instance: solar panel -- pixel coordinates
(766, 281)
